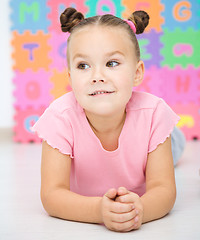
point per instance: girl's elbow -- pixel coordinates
(46, 202)
(172, 197)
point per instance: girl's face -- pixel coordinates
(103, 69)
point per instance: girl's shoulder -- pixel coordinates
(66, 102)
(143, 100)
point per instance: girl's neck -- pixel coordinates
(105, 124)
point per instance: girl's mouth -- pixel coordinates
(101, 92)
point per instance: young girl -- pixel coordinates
(106, 153)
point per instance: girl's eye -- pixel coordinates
(83, 66)
(112, 64)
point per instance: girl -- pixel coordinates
(106, 153)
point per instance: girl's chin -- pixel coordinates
(103, 112)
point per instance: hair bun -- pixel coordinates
(141, 20)
(70, 18)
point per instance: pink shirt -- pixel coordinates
(149, 121)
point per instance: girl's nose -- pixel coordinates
(97, 75)
(100, 80)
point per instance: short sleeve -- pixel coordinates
(55, 130)
(164, 120)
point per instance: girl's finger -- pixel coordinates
(118, 207)
(133, 227)
(122, 227)
(128, 198)
(124, 217)
(122, 191)
(111, 193)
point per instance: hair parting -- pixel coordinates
(71, 20)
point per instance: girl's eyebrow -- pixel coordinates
(113, 53)
(80, 55)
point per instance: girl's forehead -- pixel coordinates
(102, 35)
(100, 42)
(100, 30)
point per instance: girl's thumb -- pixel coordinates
(111, 193)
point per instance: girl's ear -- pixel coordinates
(139, 73)
(69, 76)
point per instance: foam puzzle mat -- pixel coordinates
(169, 48)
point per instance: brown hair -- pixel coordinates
(72, 20)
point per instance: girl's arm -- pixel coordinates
(160, 183)
(60, 202)
(56, 196)
(160, 187)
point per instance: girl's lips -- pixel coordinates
(101, 92)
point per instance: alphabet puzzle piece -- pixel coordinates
(58, 52)
(181, 85)
(32, 89)
(61, 83)
(100, 7)
(29, 14)
(24, 120)
(150, 47)
(58, 6)
(153, 8)
(190, 119)
(180, 48)
(152, 82)
(30, 51)
(181, 14)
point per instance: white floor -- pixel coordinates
(23, 218)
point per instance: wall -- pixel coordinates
(6, 89)
(169, 46)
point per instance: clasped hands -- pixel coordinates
(121, 210)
